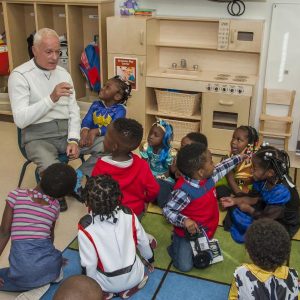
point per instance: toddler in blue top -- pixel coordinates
(158, 151)
(109, 107)
(160, 157)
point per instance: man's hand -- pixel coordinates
(191, 226)
(227, 202)
(91, 136)
(62, 89)
(72, 151)
(1, 282)
(83, 137)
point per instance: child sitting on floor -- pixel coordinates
(166, 187)
(133, 174)
(109, 107)
(193, 202)
(29, 219)
(273, 196)
(108, 238)
(158, 151)
(239, 180)
(194, 137)
(78, 287)
(269, 246)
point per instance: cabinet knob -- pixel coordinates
(226, 103)
(142, 37)
(142, 68)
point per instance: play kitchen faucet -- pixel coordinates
(183, 65)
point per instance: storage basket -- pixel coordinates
(181, 127)
(184, 103)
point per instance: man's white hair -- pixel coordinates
(42, 33)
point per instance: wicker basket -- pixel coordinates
(182, 128)
(184, 103)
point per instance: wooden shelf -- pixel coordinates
(187, 45)
(153, 112)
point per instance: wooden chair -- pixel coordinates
(277, 127)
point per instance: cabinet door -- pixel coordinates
(126, 35)
(20, 24)
(245, 35)
(221, 115)
(136, 103)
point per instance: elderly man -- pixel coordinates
(44, 105)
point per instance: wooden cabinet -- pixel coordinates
(127, 34)
(221, 115)
(80, 22)
(127, 39)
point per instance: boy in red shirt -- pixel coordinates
(193, 202)
(133, 174)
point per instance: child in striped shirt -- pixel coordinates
(29, 219)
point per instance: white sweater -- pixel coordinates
(116, 248)
(29, 89)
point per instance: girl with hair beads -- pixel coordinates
(273, 196)
(157, 151)
(108, 238)
(238, 181)
(29, 219)
(269, 246)
(111, 106)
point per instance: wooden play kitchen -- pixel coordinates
(199, 74)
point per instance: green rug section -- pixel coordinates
(158, 226)
(234, 254)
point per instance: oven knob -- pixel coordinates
(224, 89)
(208, 88)
(232, 90)
(240, 91)
(216, 89)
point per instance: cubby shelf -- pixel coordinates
(79, 21)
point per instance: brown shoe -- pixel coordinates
(63, 204)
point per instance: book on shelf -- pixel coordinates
(145, 12)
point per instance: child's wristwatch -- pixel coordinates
(73, 141)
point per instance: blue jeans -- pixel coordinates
(181, 253)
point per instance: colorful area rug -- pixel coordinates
(167, 282)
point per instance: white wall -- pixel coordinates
(259, 9)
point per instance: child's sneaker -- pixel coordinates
(130, 292)
(152, 241)
(108, 296)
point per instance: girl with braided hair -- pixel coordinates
(238, 181)
(273, 196)
(108, 237)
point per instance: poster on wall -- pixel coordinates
(126, 67)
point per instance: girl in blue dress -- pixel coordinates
(160, 156)
(274, 195)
